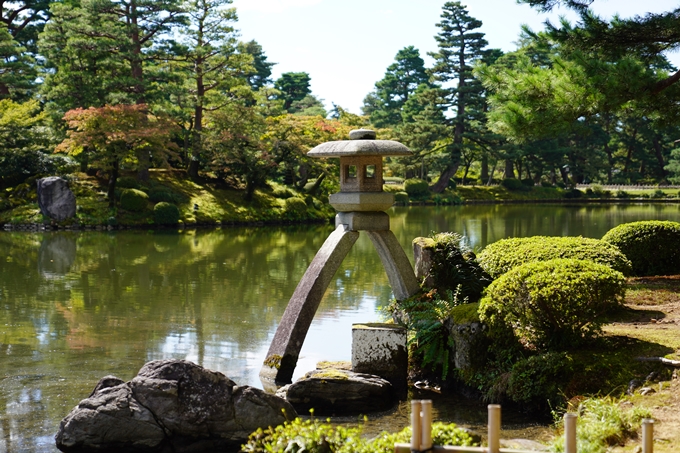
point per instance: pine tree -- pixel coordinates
(392, 92)
(460, 46)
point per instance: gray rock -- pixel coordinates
(171, 405)
(55, 199)
(340, 392)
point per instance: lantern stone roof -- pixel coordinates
(362, 143)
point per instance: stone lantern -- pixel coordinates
(360, 203)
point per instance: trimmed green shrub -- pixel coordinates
(528, 182)
(652, 246)
(512, 184)
(401, 197)
(503, 255)
(622, 194)
(540, 378)
(314, 436)
(127, 182)
(162, 193)
(165, 213)
(134, 200)
(295, 207)
(553, 304)
(416, 188)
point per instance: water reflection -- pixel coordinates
(78, 306)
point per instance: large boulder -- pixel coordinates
(170, 406)
(55, 199)
(339, 392)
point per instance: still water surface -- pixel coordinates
(78, 306)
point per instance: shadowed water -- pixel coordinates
(77, 306)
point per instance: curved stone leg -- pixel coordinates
(285, 348)
(398, 267)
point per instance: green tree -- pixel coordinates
(293, 86)
(260, 74)
(208, 57)
(461, 45)
(24, 20)
(17, 68)
(81, 47)
(384, 104)
(117, 134)
(23, 141)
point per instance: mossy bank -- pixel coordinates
(151, 204)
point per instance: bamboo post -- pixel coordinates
(426, 420)
(570, 433)
(494, 428)
(647, 435)
(416, 432)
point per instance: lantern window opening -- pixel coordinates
(369, 171)
(350, 171)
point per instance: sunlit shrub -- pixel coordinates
(652, 246)
(553, 304)
(416, 188)
(503, 255)
(134, 200)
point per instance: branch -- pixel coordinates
(669, 362)
(665, 83)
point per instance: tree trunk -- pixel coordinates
(509, 172)
(444, 178)
(659, 158)
(315, 187)
(485, 168)
(113, 177)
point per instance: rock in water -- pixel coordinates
(340, 392)
(173, 406)
(55, 199)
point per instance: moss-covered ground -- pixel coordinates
(200, 203)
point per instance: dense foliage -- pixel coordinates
(553, 303)
(313, 436)
(134, 200)
(165, 213)
(506, 254)
(454, 268)
(653, 246)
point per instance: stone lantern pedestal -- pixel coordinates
(360, 203)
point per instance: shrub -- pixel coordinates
(162, 193)
(652, 246)
(454, 267)
(165, 213)
(528, 182)
(658, 193)
(540, 378)
(503, 255)
(622, 194)
(295, 207)
(416, 188)
(127, 182)
(401, 197)
(573, 193)
(134, 200)
(553, 304)
(512, 184)
(313, 436)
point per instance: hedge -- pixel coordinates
(652, 246)
(553, 304)
(165, 213)
(416, 188)
(501, 256)
(134, 200)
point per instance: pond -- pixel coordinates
(76, 306)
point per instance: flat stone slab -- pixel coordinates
(339, 392)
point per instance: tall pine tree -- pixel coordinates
(461, 44)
